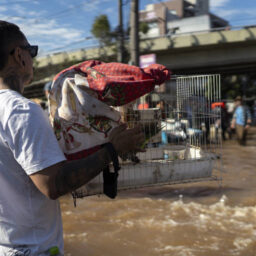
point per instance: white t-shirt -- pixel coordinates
(29, 221)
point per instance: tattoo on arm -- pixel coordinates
(74, 174)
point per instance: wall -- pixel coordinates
(199, 23)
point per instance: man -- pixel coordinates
(33, 169)
(241, 120)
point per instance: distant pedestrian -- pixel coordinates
(241, 120)
(219, 108)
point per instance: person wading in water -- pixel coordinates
(34, 172)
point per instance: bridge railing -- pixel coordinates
(171, 34)
(227, 28)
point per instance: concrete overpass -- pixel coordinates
(223, 51)
(231, 51)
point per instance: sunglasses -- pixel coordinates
(32, 49)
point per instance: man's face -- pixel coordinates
(21, 54)
(238, 102)
(27, 62)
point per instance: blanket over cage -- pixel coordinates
(82, 98)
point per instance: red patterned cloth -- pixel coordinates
(81, 101)
(118, 84)
(82, 154)
(82, 97)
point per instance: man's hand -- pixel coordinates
(64, 177)
(249, 121)
(233, 124)
(247, 127)
(127, 140)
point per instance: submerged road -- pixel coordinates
(194, 219)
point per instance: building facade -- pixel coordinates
(179, 16)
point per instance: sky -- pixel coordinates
(59, 25)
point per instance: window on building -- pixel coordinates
(173, 12)
(152, 25)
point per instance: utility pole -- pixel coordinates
(120, 52)
(134, 33)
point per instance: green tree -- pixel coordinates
(101, 30)
(143, 27)
(242, 84)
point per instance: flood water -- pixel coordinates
(196, 219)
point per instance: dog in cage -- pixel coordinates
(83, 97)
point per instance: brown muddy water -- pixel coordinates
(195, 219)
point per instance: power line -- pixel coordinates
(64, 11)
(69, 9)
(56, 14)
(16, 2)
(126, 2)
(71, 44)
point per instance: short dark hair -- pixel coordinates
(239, 98)
(9, 34)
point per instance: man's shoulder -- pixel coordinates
(12, 101)
(12, 97)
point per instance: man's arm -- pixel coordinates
(233, 123)
(59, 179)
(65, 177)
(233, 120)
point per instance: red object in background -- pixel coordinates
(119, 82)
(218, 104)
(143, 106)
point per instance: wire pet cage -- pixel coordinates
(181, 140)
